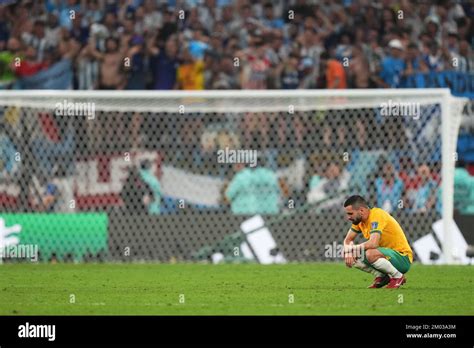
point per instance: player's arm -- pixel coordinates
(372, 243)
(349, 258)
(350, 236)
(376, 231)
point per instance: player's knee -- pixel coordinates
(372, 255)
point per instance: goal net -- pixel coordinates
(171, 176)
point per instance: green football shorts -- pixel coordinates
(400, 262)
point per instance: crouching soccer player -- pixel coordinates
(386, 254)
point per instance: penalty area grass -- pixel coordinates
(247, 289)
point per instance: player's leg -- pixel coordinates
(400, 262)
(381, 279)
(360, 264)
(389, 262)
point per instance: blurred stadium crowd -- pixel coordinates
(224, 44)
(396, 162)
(242, 44)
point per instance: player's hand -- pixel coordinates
(349, 255)
(349, 259)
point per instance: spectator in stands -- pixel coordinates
(344, 48)
(52, 29)
(423, 197)
(225, 139)
(65, 8)
(255, 127)
(463, 190)
(87, 69)
(392, 65)
(112, 62)
(333, 71)
(452, 42)
(170, 27)
(407, 172)
(266, 188)
(335, 178)
(432, 27)
(190, 74)
(255, 66)
(277, 52)
(58, 196)
(435, 59)
(413, 62)
(257, 34)
(389, 188)
(375, 54)
(8, 153)
(152, 201)
(37, 39)
(4, 28)
(68, 47)
(311, 45)
(92, 12)
(79, 32)
(205, 157)
(29, 65)
(111, 23)
(136, 194)
(359, 69)
(467, 58)
(7, 62)
(240, 193)
(254, 190)
(189, 147)
(289, 75)
(164, 62)
(269, 19)
(227, 77)
(137, 65)
(152, 18)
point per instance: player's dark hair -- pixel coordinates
(356, 201)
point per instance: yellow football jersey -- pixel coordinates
(391, 233)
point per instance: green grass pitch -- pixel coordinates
(157, 289)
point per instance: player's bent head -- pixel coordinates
(356, 201)
(356, 208)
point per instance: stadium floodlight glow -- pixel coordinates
(437, 118)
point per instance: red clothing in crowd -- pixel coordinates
(27, 68)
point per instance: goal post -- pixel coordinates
(80, 146)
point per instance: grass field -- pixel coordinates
(155, 289)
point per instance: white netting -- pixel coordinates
(162, 165)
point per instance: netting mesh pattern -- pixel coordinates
(177, 185)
